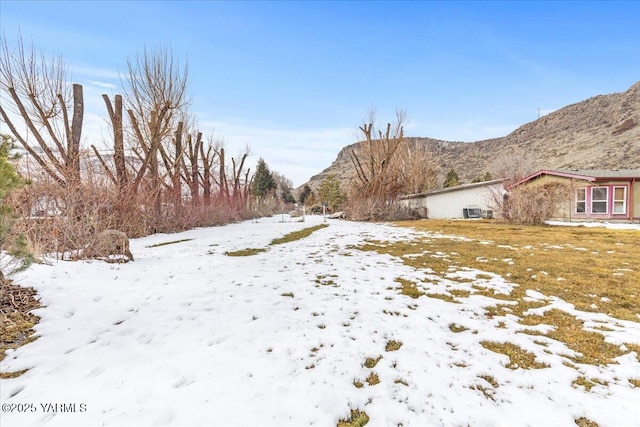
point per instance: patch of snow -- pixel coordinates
(535, 295)
(610, 225)
(187, 336)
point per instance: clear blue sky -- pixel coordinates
(295, 79)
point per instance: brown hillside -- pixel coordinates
(602, 132)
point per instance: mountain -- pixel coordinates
(602, 132)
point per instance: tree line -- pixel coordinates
(160, 172)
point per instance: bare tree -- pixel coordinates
(513, 166)
(416, 169)
(207, 176)
(190, 165)
(121, 178)
(235, 195)
(240, 179)
(156, 95)
(372, 158)
(36, 92)
(375, 160)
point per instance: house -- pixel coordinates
(475, 200)
(596, 195)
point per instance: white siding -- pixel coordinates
(450, 203)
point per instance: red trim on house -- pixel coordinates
(564, 174)
(610, 200)
(631, 185)
(554, 173)
(589, 182)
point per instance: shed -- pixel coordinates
(472, 200)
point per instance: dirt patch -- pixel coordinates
(16, 304)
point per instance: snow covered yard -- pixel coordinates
(301, 334)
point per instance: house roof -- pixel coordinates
(451, 189)
(585, 174)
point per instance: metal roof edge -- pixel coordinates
(450, 189)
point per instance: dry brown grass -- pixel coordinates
(168, 243)
(569, 330)
(518, 358)
(585, 422)
(456, 329)
(488, 392)
(245, 252)
(393, 345)
(297, 235)
(357, 419)
(591, 261)
(17, 321)
(371, 362)
(636, 348)
(373, 379)
(588, 384)
(594, 269)
(409, 288)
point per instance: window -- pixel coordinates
(599, 197)
(581, 200)
(619, 200)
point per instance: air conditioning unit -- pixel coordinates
(472, 213)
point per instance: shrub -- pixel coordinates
(533, 204)
(17, 246)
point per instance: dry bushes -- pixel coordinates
(364, 209)
(110, 242)
(158, 176)
(533, 204)
(63, 222)
(385, 167)
(16, 304)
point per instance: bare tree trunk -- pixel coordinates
(378, 172)
(176, 189)
(73, 137)
(191, 174)
(37, 90)
(239, 199)
(222, 183)
(207, 174)
(115, 115)
(156, 93)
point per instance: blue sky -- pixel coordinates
(293, 80)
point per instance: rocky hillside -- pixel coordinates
(602, 132)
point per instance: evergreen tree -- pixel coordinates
(263, 181)
(304, 194)
(9, 181)
(330, 192)
(285, 188)
(486, 177)
(287, 195)
(452, 179)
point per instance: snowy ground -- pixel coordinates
(187, 336)
(610, 225)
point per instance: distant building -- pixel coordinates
(596, 195)
(475, 200)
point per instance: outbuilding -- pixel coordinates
(474, 200)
